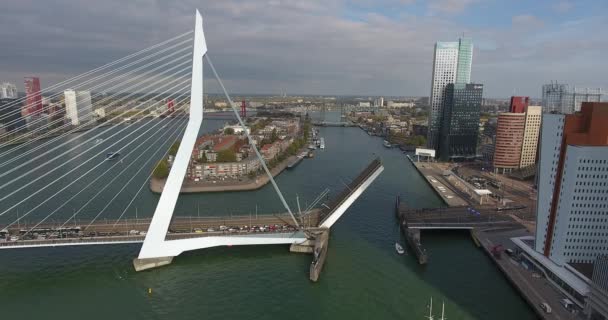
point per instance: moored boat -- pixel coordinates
(399, 248)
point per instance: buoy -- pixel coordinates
(149, 290)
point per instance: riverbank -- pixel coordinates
(157, 185)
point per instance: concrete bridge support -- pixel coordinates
(150, 263)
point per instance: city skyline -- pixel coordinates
(380, 49)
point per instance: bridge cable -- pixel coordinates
(111, 80)
(76, 129)
(65, 202)
(81, 164)
(84, 142)
(83, 175)
(270, 177)
(78, 77)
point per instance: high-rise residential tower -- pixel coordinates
(451, 64)
(460, 121)
(33, 98)
(572, 201)
(517, 136)
(573, 193)
(78, 106)
(8, 91)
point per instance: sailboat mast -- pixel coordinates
(442, 311)
(430, 317)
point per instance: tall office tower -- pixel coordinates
(517, 136)
(78, 106)
(519, 104)
(33, 98)
(563, 98)
(451, 64)
(460, 121)
(572, 220)
(8, 91)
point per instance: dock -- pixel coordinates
(292, 164)
(442, 187)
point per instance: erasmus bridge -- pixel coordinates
(53, 163)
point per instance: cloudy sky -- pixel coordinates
(360, 47)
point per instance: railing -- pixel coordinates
(136, 238)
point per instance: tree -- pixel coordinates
(274, 136)
(227, 155)
(162, 169)
(228, 131)
(174, 148)
(416, 141)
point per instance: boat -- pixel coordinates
(311, 154)
(312, 147)
(399, 248)
(322, 143)
(112, 155)
(294, 163)
(387, 144)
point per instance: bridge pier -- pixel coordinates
(317, 245)
(151, 263)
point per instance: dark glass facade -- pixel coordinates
(460, 122)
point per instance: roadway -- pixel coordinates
(534, 288)
(134, 230)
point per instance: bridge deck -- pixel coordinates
(336, 202)
(133, 230)
(453, 218)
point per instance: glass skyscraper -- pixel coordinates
(460, 122)
(451, 64)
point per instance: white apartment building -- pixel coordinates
(8, 91)
(78, 107)
(531, 134)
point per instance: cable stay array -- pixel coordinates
(94, 160)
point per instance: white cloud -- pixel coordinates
(298, 46)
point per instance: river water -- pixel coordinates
(363, 277)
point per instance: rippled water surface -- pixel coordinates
(363, 277)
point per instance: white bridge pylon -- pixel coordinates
(156, 250)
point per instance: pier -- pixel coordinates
(435, 177)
